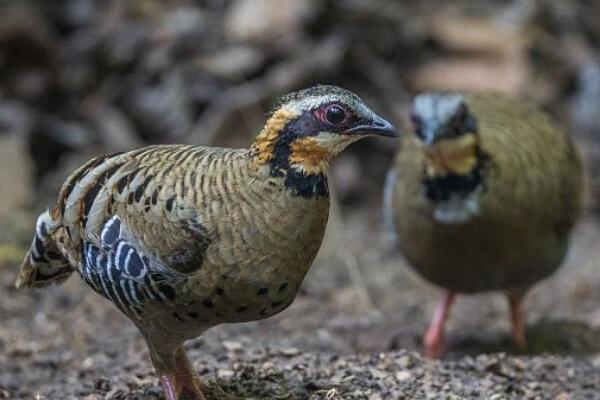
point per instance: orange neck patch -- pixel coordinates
(452, 156)
(309, 156)
(264, 144)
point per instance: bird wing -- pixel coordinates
(117, 270)
(163, 194)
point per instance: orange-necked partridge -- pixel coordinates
(483, 197)
(183, 238)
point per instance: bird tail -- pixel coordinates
(44, 263)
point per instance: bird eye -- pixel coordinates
(416, 120)
(460, 115)
(456, 125)
(417, 124)
(335, 114)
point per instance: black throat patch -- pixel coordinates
(300, 183)
(440, 188)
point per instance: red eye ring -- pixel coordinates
(333, 114)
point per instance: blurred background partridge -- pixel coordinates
(483, 197)
(183, 238)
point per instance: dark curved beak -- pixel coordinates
(378, 126)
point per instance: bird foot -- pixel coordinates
(192, 390)
(181, 387)
(518, 323)
(169, 386)
(433, 343)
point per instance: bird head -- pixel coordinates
(447, 127)
(310, 127)
(437, 116)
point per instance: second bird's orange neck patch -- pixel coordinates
(452, 156)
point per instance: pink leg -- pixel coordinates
(434, 337)
(518, 322)
(167, 381)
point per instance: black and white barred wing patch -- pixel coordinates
(47, 263)
(115, 269)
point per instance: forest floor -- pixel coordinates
(352, 333)
(88, 77)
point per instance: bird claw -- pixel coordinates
(169, 386)
(181, 389)
(433, 344)
(433, 341)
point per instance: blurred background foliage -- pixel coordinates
(81, 77)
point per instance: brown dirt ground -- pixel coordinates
(352, 333)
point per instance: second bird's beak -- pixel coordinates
(378, 126)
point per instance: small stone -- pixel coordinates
(290, 352)
(225, 373)
(268, 365)
(403, 376)
(520, 365)
(115, 394)
(231, 345)
(331, 394)
(405, 361)
(562, 396)
(88, 363)
(379, 374)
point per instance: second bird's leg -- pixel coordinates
(515, 300)
(433, 340)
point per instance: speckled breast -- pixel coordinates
(262, 251)
(510, 243)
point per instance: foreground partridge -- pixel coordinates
(483, 197)
(183, 238)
